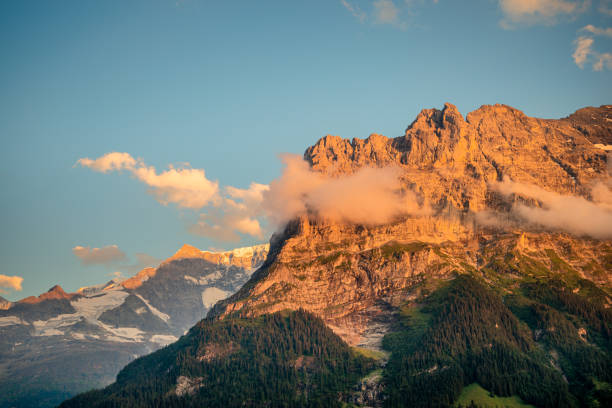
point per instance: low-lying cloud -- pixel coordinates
(558, 212)
(10, 282)
(368, 196)
(183, 186)
(99, 256)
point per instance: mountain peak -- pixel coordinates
(57, 289)
(55, 293)
(187, 251)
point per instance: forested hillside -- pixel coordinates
(286, 359)
(543, 343)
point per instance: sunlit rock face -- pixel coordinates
(449, 160)
(355, 276)
(62, 343)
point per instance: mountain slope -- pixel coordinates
(279, 360)
(58, 344)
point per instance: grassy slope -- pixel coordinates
(482, 398)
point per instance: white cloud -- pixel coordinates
(183, 186)
(557, 212)
(381, 12)
(585, 53)
(539, 11)
(354, 10)
(603, 61)
(369, 196)
(385, 12)
(99, 256)
(607, 32)
(110, 161)
(11, 282)
(238, 214)
(582, 51)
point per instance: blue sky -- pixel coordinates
(226, 87)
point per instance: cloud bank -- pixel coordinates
(10, 282)
(183, 186)
(99, 256)
(369, 196)
(558, 212)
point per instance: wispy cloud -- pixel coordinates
(183, 186)
(128, 269)
(607, 32)
(99, 256)
(605, 7)
(520, 12)
(380, 12)
(556, 212)
(584, 52)
(10, 282)
(111, 161)
(385, 12)
(354, 10)
(238, 214)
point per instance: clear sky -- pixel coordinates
(226, 86)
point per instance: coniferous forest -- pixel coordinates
(526, 344)
(286, 359)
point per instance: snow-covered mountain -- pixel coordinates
(61, 343)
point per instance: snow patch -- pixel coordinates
(607, 148)
(50, 327)
(10, 320)
(210, 296)
(153, 309)
(92, 307)
(163, 339)
(122, 334)
(205, 280)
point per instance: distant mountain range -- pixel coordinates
(57, 344)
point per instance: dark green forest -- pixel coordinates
(527, 343)
(286, 359)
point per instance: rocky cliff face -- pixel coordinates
(449, 160)
(355, 276)
(61, 343)
(4, 304)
